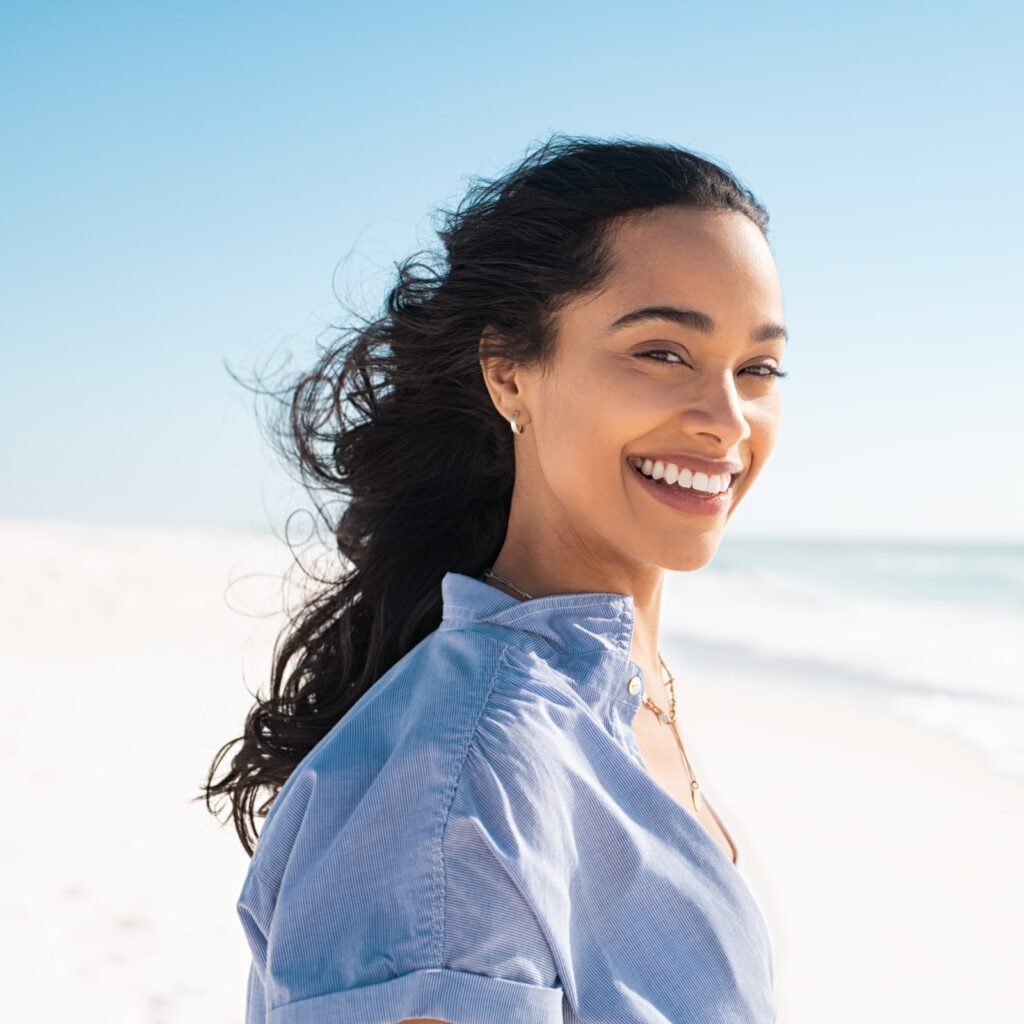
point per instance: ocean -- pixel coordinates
(933, 631)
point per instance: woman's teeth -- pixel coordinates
(670, 473)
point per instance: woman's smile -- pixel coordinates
(684, 499)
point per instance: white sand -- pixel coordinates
(888, 860)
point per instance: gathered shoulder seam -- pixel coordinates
(439, 904)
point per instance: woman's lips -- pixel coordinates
(683, 499)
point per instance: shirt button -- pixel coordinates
(635, 684)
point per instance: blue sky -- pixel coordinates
(191, 184)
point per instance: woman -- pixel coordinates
(480, 805)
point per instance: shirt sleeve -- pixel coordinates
(339, 944)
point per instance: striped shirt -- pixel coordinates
(478, 840)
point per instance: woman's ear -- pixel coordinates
(501, 374)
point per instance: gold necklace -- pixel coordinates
(670, 719)
(666, 718)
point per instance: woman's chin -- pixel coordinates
(694, 554)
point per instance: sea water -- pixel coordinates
(933, 631)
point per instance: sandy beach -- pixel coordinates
(887, 858)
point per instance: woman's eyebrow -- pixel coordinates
(693, 319)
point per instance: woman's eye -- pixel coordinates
(662, 352)
(770, 371)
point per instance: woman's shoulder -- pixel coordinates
(460, 727)
(398, 752)
(399, 838)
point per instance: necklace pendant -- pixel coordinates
(663, 716)
(696, 797)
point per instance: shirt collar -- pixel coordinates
(595, 629)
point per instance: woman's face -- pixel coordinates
(693, 387)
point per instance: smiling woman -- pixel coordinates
(701, 293)
(479, 805)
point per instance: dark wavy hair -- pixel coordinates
(395, 418)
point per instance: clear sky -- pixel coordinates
(192, 183)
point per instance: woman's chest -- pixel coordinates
(664, 763)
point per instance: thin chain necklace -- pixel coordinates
(667, 718)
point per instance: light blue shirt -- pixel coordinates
(479, 840)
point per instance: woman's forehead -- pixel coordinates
(719, 271)
(699, 243)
